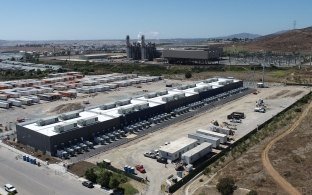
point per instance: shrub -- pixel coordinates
(252, 192)
(90, 175)
(114, 181)
(226, 186)
(188, 75)
(207, 171)
(297, 109)
(104, 178)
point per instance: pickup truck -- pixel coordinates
(140, 168)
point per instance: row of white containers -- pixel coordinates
(19, 101)
(16, 93)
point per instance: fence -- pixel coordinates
(205, 164)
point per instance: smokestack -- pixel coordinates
(143, 41)
(128, 40)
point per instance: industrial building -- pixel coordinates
(196, 153)
(94, 123)
(175, 149)
(141, 51)
(192, 57)
(221, 136)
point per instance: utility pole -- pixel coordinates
(263, 74)
(311, 57)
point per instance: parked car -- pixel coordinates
(150, 155)
(140, 168)
(10, 188)
(87, 184)
(161, 160)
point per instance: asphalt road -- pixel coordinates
(33, 180)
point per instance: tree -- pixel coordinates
(114, 182)
(188, 75)
(252, 192)
(226, 186)
(206, 171)
(90, 175)
(104, 178)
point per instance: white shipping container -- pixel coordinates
(4, 104)
(15, 102)
(24, 93)
(25, 101)
(205, 138)
(219, 129)
(14, 94)
(35, 99)
(223, 137)
(196, 153)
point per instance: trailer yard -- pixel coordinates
(9, 116)
(132, 152)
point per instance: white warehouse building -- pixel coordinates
(221, 136)
(196, 153)
(175, 149)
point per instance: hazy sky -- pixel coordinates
(114, 19)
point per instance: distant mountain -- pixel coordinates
(2, 42)
(298, 40)
(240, 36)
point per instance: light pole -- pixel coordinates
(311, 57)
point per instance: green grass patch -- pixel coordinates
(279, 73)
(128, 189)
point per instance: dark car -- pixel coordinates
(88, 184)
(161, 160)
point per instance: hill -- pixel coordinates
(240, 36)
(298, 40)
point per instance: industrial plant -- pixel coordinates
(141, 50)
(194, 57)
(104, 124)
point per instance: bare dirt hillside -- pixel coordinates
(290, 41)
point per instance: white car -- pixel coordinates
(9, 188)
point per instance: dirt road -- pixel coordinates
(266, 161)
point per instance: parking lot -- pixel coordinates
(275, 98)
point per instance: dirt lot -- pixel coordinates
(132, 153)
(80, 168)
(291, 157)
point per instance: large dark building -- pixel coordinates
(58, 133)
(189, 57)
(141, 51)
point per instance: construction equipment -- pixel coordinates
(260, 106)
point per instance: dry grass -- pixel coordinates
(38, 154)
